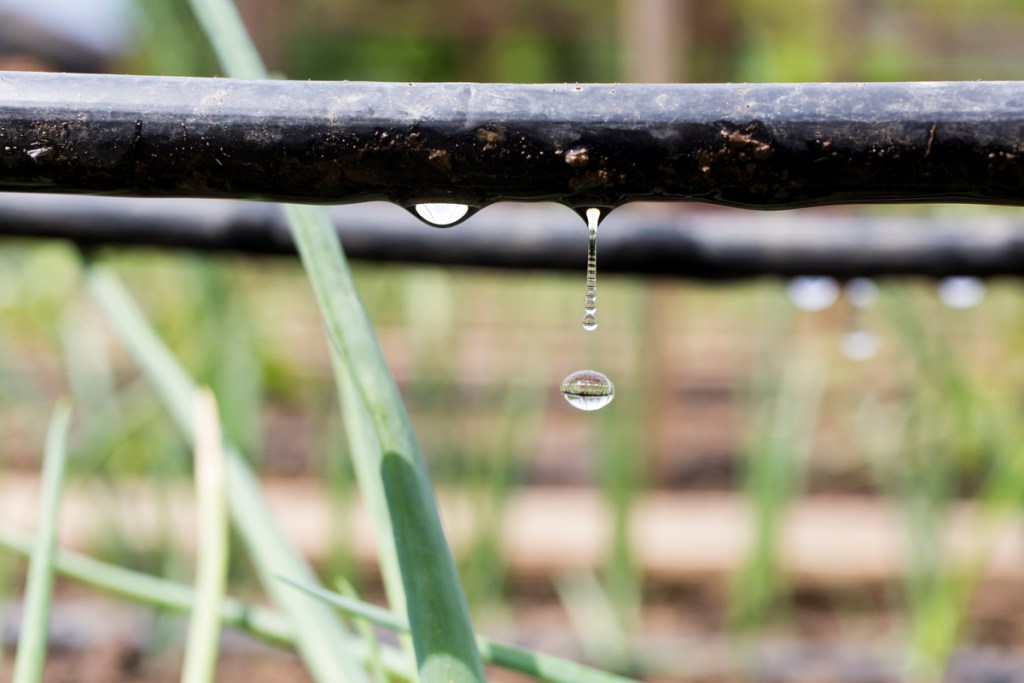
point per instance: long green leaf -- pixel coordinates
(541, 666)
(230, 40)
(212, 558)
(28, 668)
(441, 628)
(260, 622)
(365, 630)
(366, 460)
(322, 640)
(784, 431)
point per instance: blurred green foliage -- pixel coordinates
(532, 41)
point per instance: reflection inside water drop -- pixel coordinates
(588, 390)
(442, 215)
(589, 322)
(813, 292)
(961, 291)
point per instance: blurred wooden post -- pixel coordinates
(267, 22)
(653, 37)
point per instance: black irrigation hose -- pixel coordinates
(699, 244)
(754, 146)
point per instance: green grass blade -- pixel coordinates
(212, 559)
(366, 461)
(320, 637)
(28, 667)
(260, 622)
(365, 630)
(442, 634)
(922, 474)
(353, 607)
(266, 624)
(541, 666)
(229, 39)
(774, 471)
(594, 620)
(441, 628)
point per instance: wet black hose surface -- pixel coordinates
(754, 146)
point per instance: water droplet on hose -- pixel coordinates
(441, 215)
(813, 292)
(961, 291)
(590, 305)
(588, 390)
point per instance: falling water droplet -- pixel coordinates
(441, 215)
(588, 390)
(590, 306)
(961, 291)
(862, 292)
(813, 292)
(860, 344)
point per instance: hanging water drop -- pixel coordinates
(441, 215)
(862, 292)
(813, 292)
(961, 291)
(590, 306)
(588, 390)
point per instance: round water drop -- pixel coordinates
(961, 291)
(588, 390)
(861, 344)
(862, 292)
(813, 292)
(589, 322)
(442, 215)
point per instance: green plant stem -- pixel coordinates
(783, 434)
(366, 460)
(212, 558)
(273, 628)
(922, 475)
(441, 629)
(28, 667)
(229, 38)
(321, 639)
(541, 666)
(365, 631)
(260, 622)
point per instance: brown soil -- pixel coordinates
(116, 663)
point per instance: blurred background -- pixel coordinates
(777, 493)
